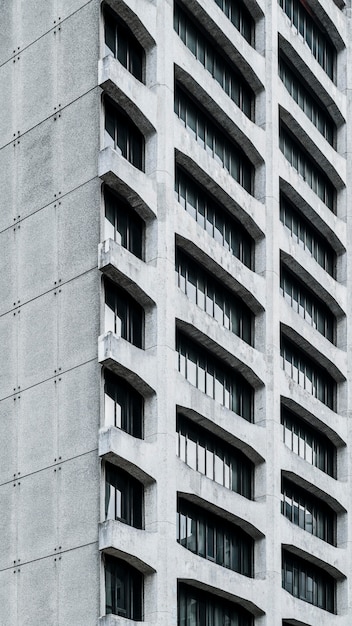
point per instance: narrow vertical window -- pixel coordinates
(123, 405)
(122, 44)
(122, 135)
(122, 224)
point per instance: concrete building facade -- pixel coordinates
(174, 315)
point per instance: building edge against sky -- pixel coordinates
(174, 314)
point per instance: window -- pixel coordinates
(306, 236)
(206, 52)
(212, 139)
(214, 378)
(308, 443)
(123, 589)
(123, 497)
(201, 608)
(308, 512)
(123, 405)
(213, 538)
(122, 135)
(240, 17)
(122, 44)
(123, 315)
(212, 297)
(307, 373)
(214, 458)
(311, 173)
(308, 582)
(306, 305)
(300, 92)
(305, 22)
(218, 223)
(122, 224)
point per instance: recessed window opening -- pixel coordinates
(311, 173)
(201, 608)
(124, 406)
(308, 306)
(307, 512)
(123, 497)
(307, 373)
(213, 218)
(305, 99)
(240, 17)
(123, 589)
(214, 458)
(306, 236)
(213, 298)
(123, 224)
(308, 582)
(122, 44)
(211, 376)
(214, 539)
(208, 134)
(122, 135)
(305, 23)
(123, 315)
(207, 53)
(310, 444)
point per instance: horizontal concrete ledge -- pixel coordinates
(128, 271)
(333, 164)
(316, 347)
(313, 559)
(124, 359)
(116, 620)
(141, 22)
(131, 454)
(242, 54)
(312, 411)
(130, 93)
(118, 173)
(220, 262)
(115, 537)
(211, 342)
(302, 59)
(222, 422)
(205, 89)
(218, 183)
(241, 521)
(325, 221)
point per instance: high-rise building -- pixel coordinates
(175, 317)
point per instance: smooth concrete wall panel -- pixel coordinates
(37, 515)
(8, 274)
(37, 427)
(79, 127)
(78, 305)
(36, 18)
(7, 29)
(37, 82)
(8, 187)
(68, 7)
(78, 59)
(8, 102)
(37, 249)
(37, 176)
(78, 501)
(78, 410)
(8, 364)
(79, 584)
(37, 343)
(8, 525)
(8, 438)
(8, 595)
(37, 593)
(78, 230)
